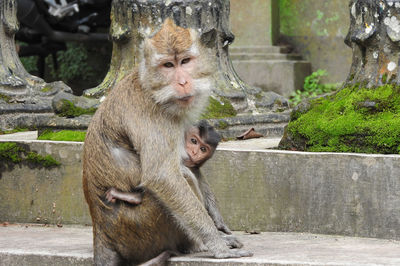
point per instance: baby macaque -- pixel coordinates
(201, 142)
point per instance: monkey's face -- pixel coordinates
(197, 149)
(174, 70)
(178, 71)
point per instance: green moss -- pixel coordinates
(46, 161)
(342, 123)
(219, 109)
(5, 98)
(63, 135)
(222, 125)
(384, 78)
(46, 89)
(13, 131)
(11, 152)
(68, 109)
(289, 16)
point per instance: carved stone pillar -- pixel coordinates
(374, 36)
(210, 18)
(25, 100)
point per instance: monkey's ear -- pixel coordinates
(208, 38)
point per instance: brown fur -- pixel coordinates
(172, 39)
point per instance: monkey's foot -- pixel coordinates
(232, 241)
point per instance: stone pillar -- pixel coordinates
(25, 100)
(210, 18)
(254, 53)
(255, 22)
(374, 37)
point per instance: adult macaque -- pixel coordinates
(135, 141)
(201, 142)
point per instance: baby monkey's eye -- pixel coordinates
(203, 149)
(185, 61)
(194, 141)
(168, 65)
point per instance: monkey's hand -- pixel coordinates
(231, 241)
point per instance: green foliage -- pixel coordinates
(219, 109)
(68, 109)
(30, 63)
(345, 122)
(72, 63)
(63, 135)
(13, 153)
(312, 87)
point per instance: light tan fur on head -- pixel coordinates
(172, 39)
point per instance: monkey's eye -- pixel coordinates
(194, 141)
(168, 65)
(185, 61)
(203, 149)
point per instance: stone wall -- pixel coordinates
(254, 22)
(267, 190)
(314, 28)
(317, 29)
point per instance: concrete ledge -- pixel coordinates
(38, 245)
(267, 190)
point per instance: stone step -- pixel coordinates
(269, 125)
(259, 49)
(281, 76)
(41, 245)
(260, 56)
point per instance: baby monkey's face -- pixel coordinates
(196, 148)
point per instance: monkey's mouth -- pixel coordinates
(185, 100)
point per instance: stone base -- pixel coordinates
(270, 68)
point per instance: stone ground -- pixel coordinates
(41, 245)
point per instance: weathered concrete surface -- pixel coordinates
(317, 29)
(254, 22)
(267, 190)
(281, 76)
(20, 245)
(45, 195)
(331, 193)
(28, 135)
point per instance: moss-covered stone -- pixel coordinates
(63, 135)
(68, 109)
(222, 125)
(13, 131)
(353, 120)
(14, 153)
(5, 98)
(46, 89)
(219, 109)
